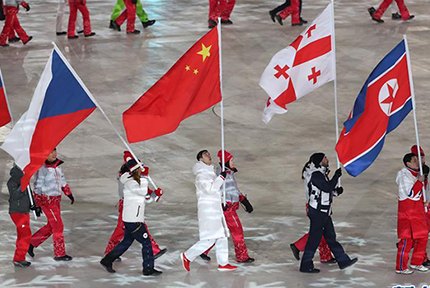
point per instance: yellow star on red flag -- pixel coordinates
(205, 52)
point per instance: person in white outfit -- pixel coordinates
(60, 15)
(213, 229)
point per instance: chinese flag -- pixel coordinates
(191, 86)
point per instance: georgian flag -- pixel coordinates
(300, 68)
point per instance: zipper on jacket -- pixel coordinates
(138, 210)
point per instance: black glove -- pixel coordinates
(27, 8)
(223, 174)
(224, 207)
(339, 190)
(36, 209)
(246, 205)
(72, 199)
(426, 170)
(134, 1)
(338, 172)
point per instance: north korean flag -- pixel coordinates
(384, 101)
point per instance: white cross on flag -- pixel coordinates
(301, 67)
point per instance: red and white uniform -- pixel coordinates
(386, 3)
(10, 8)
(80, 5)
(220, 8)
(293, 10)
(48, 185)
(412, 228)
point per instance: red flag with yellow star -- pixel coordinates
(191, 86)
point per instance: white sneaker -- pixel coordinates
(404, 272)
(420, 268)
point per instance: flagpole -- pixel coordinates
(101, 110)
(333, 44)
(7, 101)
(31, 200)
(222, 105)
(411, 81)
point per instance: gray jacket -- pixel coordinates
(19, 202)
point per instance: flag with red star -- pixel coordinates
(382, 104)
(191, 86)
(300, 68)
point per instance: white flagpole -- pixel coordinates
(101, 110)
(222, 105)
(31, 200)
(333, 44)
(7, 101)
(414, 107)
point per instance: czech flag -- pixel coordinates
(384, 101)
(4, 108)
(60, 103)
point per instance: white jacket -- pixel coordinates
(212, 223)
(135, 197)
(49, 179)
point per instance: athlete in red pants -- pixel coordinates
(80, 5)
(12, 24)
(129, 14)
(220, 8)
(376, 15)
(294, 11)
(325, 253)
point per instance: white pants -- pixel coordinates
(221, 247)
(60, 15)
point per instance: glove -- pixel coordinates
(338, 172)
(37, 210)
(223, 174)
(134, 1)
(72, 199)
(158, 194)
(339, 190)
(145, 171)
(150, 191)
(426, 170)
(27, 7)
(246, 205)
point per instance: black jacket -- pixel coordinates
(19, 202)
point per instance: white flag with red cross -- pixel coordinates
(302, 67)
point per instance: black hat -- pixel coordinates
(132, 165)
(316, 158)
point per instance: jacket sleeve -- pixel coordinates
(207, 185)
(63, 178)
(319, 180)
(14, 187)
(40, 180)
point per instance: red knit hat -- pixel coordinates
(127, 156)
(414, 150)
(227, 156)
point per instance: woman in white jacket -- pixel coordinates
(135, 197)
(212, 226)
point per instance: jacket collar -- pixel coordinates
(54, 164)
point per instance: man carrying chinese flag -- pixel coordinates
(191, 86)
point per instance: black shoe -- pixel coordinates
(117, 259)
(116, 26)
(28, 40)
(21, 264)
(63, 258)
(134, 32)
(378, 20)
(226, 22)
(159, 254)
(303, 21)
(61, 33)
(279, 19)
(111, 25)
(148, 23)
(272, 15)
(410, 17)
(73, 37)
(107, 265)
(152, 272)
(212, 23)
(4, 45)
(396, 16)
(313, 270)
(331, 261)
(80, 31)
(205, 257)
(297, 24)
(30, 250)
(296, 251)
(249, 260)
(426, 263)
(350, 263)
(90, 35)
(371, 11)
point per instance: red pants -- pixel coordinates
(293, 10)
(12, 24)
(22, 223)
(54, 227)
(405, 246)
(386, 3)
(325, 253)
(118, 233)
(220, 8)
(76, 5)
(129, 14)
(236, 231)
